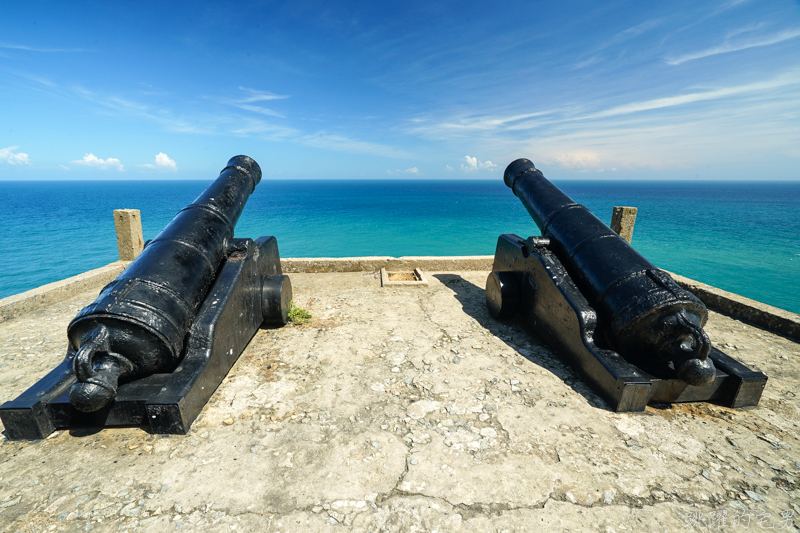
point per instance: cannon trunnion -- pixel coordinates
(624, 324)
(158, 341)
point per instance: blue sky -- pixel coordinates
(614, 89)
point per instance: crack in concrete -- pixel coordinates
(467, 511)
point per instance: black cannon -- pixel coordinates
(621, 321)
(160, 338)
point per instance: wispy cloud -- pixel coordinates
(675, 141)
(490, 125)
(586, 62)
(219, 119)
(638, 29)
(261, 110)
(345, 144)
(10, 46)
(620, 38)
(251, 97)
(735, 46)
(734, 3)
(474, 124)
(205, 122)
(630, 136)
(493, 122)
(670, 101)
(253, 127)
(162, 162)
(91, 160)
(255, 95)
(579, 160)
(12, 157)
(745, 29)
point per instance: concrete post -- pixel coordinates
(622, 221)
(130, 242)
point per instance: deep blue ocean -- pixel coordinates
(739, 236)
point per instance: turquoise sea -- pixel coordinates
(739, 236)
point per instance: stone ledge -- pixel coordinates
(736, 306)
(741, 308)
(312, 265)
(58, 291)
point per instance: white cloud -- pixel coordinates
(163, 161)
(448, 168)
(91, 160)
(412, 170)
(473, 164)
(736, 46)
(14, 158)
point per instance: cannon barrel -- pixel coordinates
(137, 325)
(643, 312)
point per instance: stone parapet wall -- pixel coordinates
(58, 291)
(738, 307)
(372, 264)
(744, 309)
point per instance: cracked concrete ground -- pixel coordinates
(408, 409)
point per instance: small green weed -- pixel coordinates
(298, 315)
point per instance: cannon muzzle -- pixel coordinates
(642, 311)
(137, 325)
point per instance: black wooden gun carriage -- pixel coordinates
(624, 324)
(158, 341)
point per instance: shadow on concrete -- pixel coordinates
(86, 431)
(518, 336)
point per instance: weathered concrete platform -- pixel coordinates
(408, 409)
